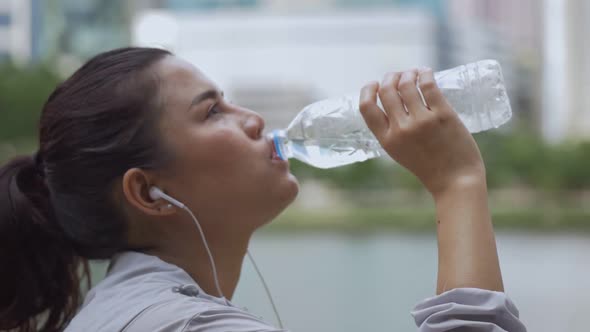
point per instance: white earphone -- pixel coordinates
(157, 193)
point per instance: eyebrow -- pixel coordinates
(209, 94)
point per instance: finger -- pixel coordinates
(432, 94)
(409, 92)
(374, 117)
(390, 99)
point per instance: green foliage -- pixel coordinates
(358, 220)
(522, 158)
(519, 158)
(379, 173)
(22, 95)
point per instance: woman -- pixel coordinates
(136, 118)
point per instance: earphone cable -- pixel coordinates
(274, 307)
(213, 267)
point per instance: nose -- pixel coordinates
(253, 124)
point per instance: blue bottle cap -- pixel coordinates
(277, 142)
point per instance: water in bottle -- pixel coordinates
(332, 132)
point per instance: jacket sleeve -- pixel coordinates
(468, 309)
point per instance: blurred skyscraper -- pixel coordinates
(509, 31)
(540, 44)
(20, 30)
(276, 64)
(542, 47)
(566, 83)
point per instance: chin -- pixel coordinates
(283, 197)
(293, 188)
(287, 191)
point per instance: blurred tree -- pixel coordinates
(574, 162)
(519, 158)
(23, 91)
(516, 159)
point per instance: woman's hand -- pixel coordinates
(430, 140)
(427, 139)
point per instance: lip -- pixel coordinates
(273, 155)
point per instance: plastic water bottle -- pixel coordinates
(332, 132)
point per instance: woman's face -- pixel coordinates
(223, 167)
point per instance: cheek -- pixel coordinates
(221, 156)
(228, 151)
(215, 146)
(223, 163)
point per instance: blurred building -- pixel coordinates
(38, 30)
(268, 53)
(510, 32)
(566, 83)
(541, 45)
(82, 28)
(20, 30)
(276, 64)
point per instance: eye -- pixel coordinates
(213, 110)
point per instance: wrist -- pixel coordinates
(462, 186)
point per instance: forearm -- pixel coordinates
(467, 255)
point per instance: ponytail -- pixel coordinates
(40, 278)
(58, 211)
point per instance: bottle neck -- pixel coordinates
(281, 144)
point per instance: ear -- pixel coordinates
(136, 184)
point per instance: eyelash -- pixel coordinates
(214, 109)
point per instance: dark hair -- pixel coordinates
(57, 208)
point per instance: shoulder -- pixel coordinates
(143, 293)
(194, 314)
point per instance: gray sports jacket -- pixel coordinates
(143, 293)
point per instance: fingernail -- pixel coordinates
(423, 69)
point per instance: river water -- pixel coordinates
(341, 282)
